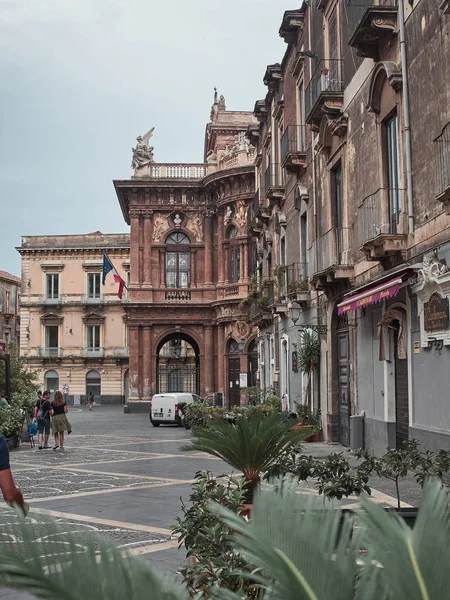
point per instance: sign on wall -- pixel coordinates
(242, 380)
(436, 314)
(65, 388)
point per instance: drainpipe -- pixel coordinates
(409, 187)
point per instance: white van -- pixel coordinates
(164, 408)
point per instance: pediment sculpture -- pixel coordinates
(143, 153)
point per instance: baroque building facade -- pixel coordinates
(73, 329)
(351, 217)
(9, 308)
(190, 267)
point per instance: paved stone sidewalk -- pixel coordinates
(124, 478)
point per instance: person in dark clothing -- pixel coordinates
(11, 493)
(91, 401)
(42, 414)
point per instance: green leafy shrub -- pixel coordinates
(207, 538)
(24, 400)
(200, 414)
(11, 419)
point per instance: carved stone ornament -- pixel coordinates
(339, 125)
(196, 226)
(432, 269)
(241, 213)
(143, 153)
(389, 70)
(160, 225)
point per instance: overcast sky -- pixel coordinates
(80, 79)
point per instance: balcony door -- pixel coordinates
(234, 369)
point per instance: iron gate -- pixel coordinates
(178, 378)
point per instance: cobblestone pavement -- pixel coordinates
(124, 478)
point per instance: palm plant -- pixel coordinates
(308, 359)
(291, 539)
(249, 445)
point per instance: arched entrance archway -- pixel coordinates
(178, 364)
(93, 384)
(51, 382)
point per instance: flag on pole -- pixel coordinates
(107, 268)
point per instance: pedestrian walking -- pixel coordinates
(42, 414)
(91, 401)
(60, 422)
(3, 400)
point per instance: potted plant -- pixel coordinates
(308, 359)
(250, 446)
(11, 421)
(307, 420)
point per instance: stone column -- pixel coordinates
(220, 357)
(148, 248)
(147, 362)
(226, 262)
(209, 360)
(245, 271)
(220, 256)
(208, 249)
(134, 249)
(134, 363)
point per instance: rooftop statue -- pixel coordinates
(143, 153)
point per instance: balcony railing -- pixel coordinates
(442, 155)
(273, 178)
(357, 9)
(178, 295)
(92, 352)
(297, 278)
(173, 171)
(232, 290)
(292, 141)
(331, 250)
(367, 21)
(373, 215)
(50, 352)
(327, 80)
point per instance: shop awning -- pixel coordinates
(388, 289)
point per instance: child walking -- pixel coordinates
(60, 423)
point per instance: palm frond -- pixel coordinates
(90, 567)
(249, 445)
(293, 537)
(412, 563)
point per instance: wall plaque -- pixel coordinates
(435, 313)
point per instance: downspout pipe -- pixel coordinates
(406, 117)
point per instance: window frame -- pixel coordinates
(392, 168)
(50, 279)
(234, 255)
(94, 278)
(91, 328)
(179, 250)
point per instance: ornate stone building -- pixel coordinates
(73, 329)
(191, 261)
(9, 307)
(353, 189)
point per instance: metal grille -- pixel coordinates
(178, 378)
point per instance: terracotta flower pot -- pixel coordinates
(246, 510)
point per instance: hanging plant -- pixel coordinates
(308, 359)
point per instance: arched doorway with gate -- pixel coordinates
(178, 364)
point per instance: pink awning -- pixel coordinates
(370, 296)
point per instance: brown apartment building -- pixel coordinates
(351, 216)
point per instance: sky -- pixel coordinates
(80, 79)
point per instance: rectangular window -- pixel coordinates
(338, 210)
(93, 337)
(7, 302)
(52, 286)
(51, 337)
(301, 115)
(94, 285)
(393, 172)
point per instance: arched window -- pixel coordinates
(93, 384)
(51, 382)
(178, 261)
(234, 272)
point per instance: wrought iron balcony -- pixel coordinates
(331, 265)
(369, 22)
(325, 92)
(293, 148)
(274, 182)
(260, 313)
(442, 158)
(50, 352)
(378, 229)
(298, 282)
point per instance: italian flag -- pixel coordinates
(107, 268)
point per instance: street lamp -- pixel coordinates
(294, 312)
